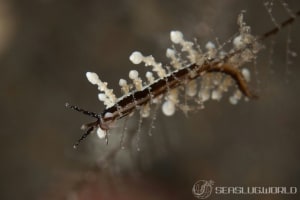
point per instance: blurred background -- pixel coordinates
(46, 46)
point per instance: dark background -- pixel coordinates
(46, 46)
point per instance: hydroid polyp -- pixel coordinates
(193, 73)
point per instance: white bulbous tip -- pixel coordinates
(176, 36)
(92, 77)
(101, 133)
(168, 108)
(246, 74)
(122, 82)
(210, 45)
(170, 52)
(145, 114)
(136, 57)
(149, 74)
(216, 95)
(233, 100)
(133, 74)
(102, 97)
(237, 41)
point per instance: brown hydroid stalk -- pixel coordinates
(282, 25)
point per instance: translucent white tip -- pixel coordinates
(233, 100)
(216, 95)
(133, 74)
(246, 74)
(102, 97)
(136, 57)
(210, 45)
(237, 42)
(92, 77)
(149, 75)
(168, 108)
(122, 82)
(101, 133)
(176, 36)
(170, 53)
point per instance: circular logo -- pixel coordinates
(202, 189)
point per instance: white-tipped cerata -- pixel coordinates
(108, 97)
